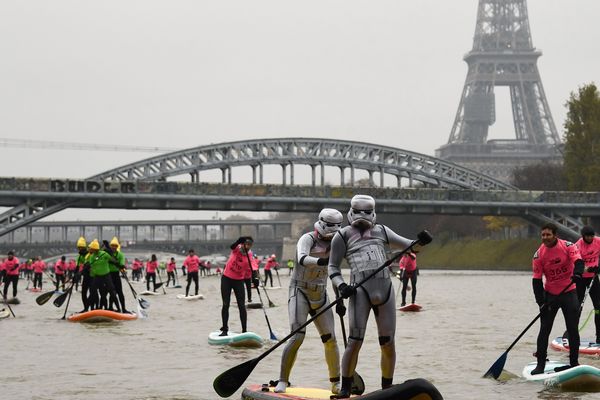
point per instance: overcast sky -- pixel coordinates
(188, 73)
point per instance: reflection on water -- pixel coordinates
(468, 321)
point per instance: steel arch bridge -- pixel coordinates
(287, 153)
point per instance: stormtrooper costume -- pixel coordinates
(363, 244)
(308, 295)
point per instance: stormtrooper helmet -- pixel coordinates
(362, 211)
(330, 221)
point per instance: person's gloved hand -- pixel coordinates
(346, 290)
(323, 261)
(340, 308)
(576, 278)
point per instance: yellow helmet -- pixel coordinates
(114, 242)
(94, 245)
(81, 242)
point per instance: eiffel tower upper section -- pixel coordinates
(502, 55)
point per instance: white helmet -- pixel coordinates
(362, 211)
(330, 221)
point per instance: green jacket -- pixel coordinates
(99, 263)
(120, 262)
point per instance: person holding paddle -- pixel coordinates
(560, 263)
(192, 263)
(408, 271)
(38, 269)
(83, 270)
(233, 278)
(363, 244)
(151, 267)
(117, 266)
(11, 268)
(98, 261)
(271, 263)
(308, 295)
(60, 269)
(171, 271)
(589, 248)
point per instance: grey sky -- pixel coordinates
(187, 73)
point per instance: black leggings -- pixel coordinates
(8, 279)
(37, 280)
(170, 276)
(102, 285)
(569, 305)
(268, 275)
(151, 276)
(60, 278)
(227, 285)
(118, 285)
(86, 283)
(192, 276)
(413, 281)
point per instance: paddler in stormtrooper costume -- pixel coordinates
(363, 244)
(308, 295)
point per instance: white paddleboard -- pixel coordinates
(271, 287)
(580, 378)
(4, 313)
(149, 293)
(246, 339)
(199, 296)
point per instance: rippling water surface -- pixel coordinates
(468, 321)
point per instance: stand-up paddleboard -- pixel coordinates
(12, 300)
(4, 313)
(410, 308)
(271, 287)
(246, 339)
(199, 296)
(586, 346)
(95, 316)
(255, 304)
(149, 293)
(414, 389)
(582, 378)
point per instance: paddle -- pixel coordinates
(160, 283)
(142, 303)
(44, 297)
(585, 295)
(9, 307)
(277, 272)
(271, 304)
(229, 381)
(496, 368)
(358, 384)
(60, 299)
(68, 301)
(271, 334)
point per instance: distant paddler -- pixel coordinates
(60, 269)
(192, 263)
(39, 266)
(11, 267)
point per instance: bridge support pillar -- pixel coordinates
(313, 174)
(284, 174)
(322, 175)
(291, 174)
(260, 173)
(398, 180)
(254, 174)
(46, 234)
(186, 233)
(170, 233)
(223, 175)
(11, 237)
(118, 232)
(28, 234)
(351, 175)
(342, 178)
(134, 233)
(64, 234)
(152, 233)
(371, 182)
(381, 176)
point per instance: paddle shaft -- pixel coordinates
(537, 317)
(9, 307)
(68, 301)
(160, 279)
(333, 303)
(271, 304)
(272, 335)
(277, 272)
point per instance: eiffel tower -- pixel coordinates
(502, 55)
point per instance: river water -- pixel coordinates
(468, 321)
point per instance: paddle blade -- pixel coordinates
(358, 385)
(144, 303)
(496, 369)
(59, 300)
(44, 297)
(158, 285)
(229, 381)
(272, 335)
